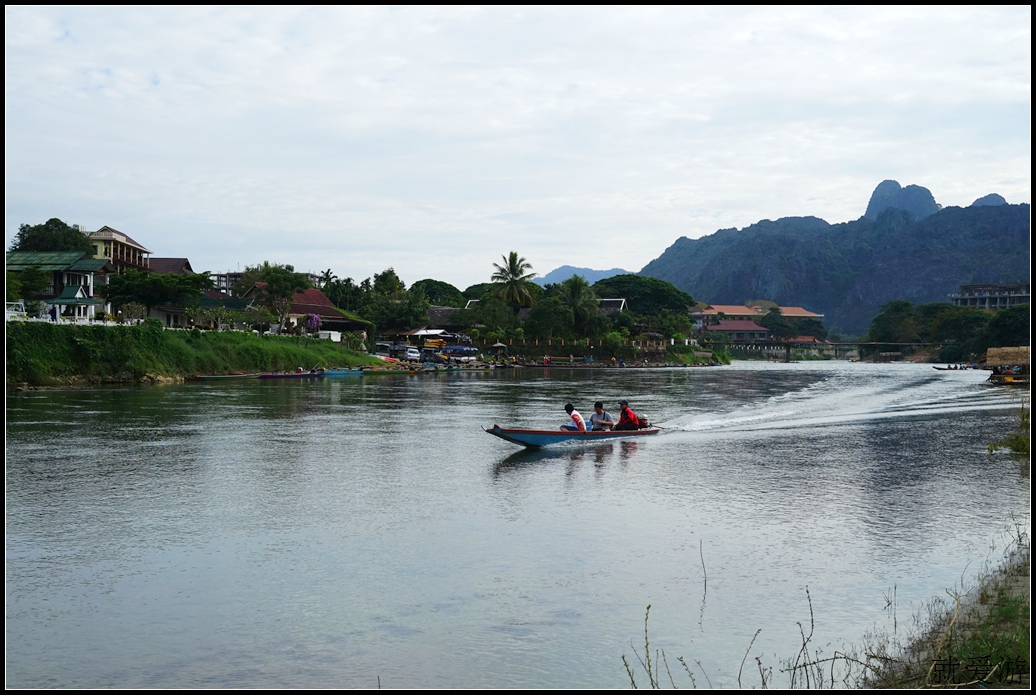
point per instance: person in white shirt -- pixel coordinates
(577, 423)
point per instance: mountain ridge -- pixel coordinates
(847, 270)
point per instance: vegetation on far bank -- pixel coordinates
(41, 354)
(964, 332)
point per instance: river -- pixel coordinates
(337, 532)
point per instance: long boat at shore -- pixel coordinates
(206, 377)
(535, 439)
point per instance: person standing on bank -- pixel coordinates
(601, 420)
(577, 423)
(628, 420)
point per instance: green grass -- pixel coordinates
(46, 354)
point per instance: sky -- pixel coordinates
(435, 140)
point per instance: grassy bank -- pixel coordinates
(40, 354)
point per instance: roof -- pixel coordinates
(52, 260)
(107, 232)
(608, 306)
(737, 325)
(442, 315)
(795, 312)
(73, 294)
(1007, 356)
(176, 266)
(92, 265)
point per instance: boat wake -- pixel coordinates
(847, 398)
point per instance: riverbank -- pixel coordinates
(41, 354)
(977, 638)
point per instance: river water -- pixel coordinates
(336, 532)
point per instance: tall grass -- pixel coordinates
(45, 354)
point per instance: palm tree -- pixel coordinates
(512, 280)
(327, 277)
(577, 295)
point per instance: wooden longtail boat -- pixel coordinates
(330, 373)
(314, 374)
(206, 377)
(534, 439)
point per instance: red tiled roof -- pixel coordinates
(798, 312)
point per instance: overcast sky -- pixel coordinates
(434, 140)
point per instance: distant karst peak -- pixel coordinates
(918, 200)
(991, 200)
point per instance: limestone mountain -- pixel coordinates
(589, 274)
(846, 271)
(991, 199)
(889, 194)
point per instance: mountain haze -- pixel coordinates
(589, 274)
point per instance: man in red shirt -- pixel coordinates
(628, 420)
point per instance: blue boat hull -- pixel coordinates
(535, 439)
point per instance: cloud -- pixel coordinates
(433, 140)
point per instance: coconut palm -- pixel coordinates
(577, 295)
(512, 280)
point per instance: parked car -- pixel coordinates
(412, 354)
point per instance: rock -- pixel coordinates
(917, 200)
(991, 200)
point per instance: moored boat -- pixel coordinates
(329, 373)
(534, 439)
(206, 377)
(311, 374)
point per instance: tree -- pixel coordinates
(576, 294)
(281, 284)
(154, 289)
(512, 280)
(1010, 327)
(645, 296)
(327, 277)
(439, 293)
(550, 318)
(13, 287)
(345, 293)
(33, 280)
(812, 327)
(52, 235)
(387, 283)
(778, 326)
(398, 311)
(895, 323)
(261, 273)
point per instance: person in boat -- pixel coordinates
(601, 420)
(577, 423)
(628, 420)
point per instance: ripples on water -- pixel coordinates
(327, 533)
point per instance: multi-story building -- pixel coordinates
(992, 295)
(118, 248)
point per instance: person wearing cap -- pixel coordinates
(627, 418)
(601, 420)
(577, 423)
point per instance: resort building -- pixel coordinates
(76, 281)
(118, 248)
(739, 329)
(710, 313)
(992, 296)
